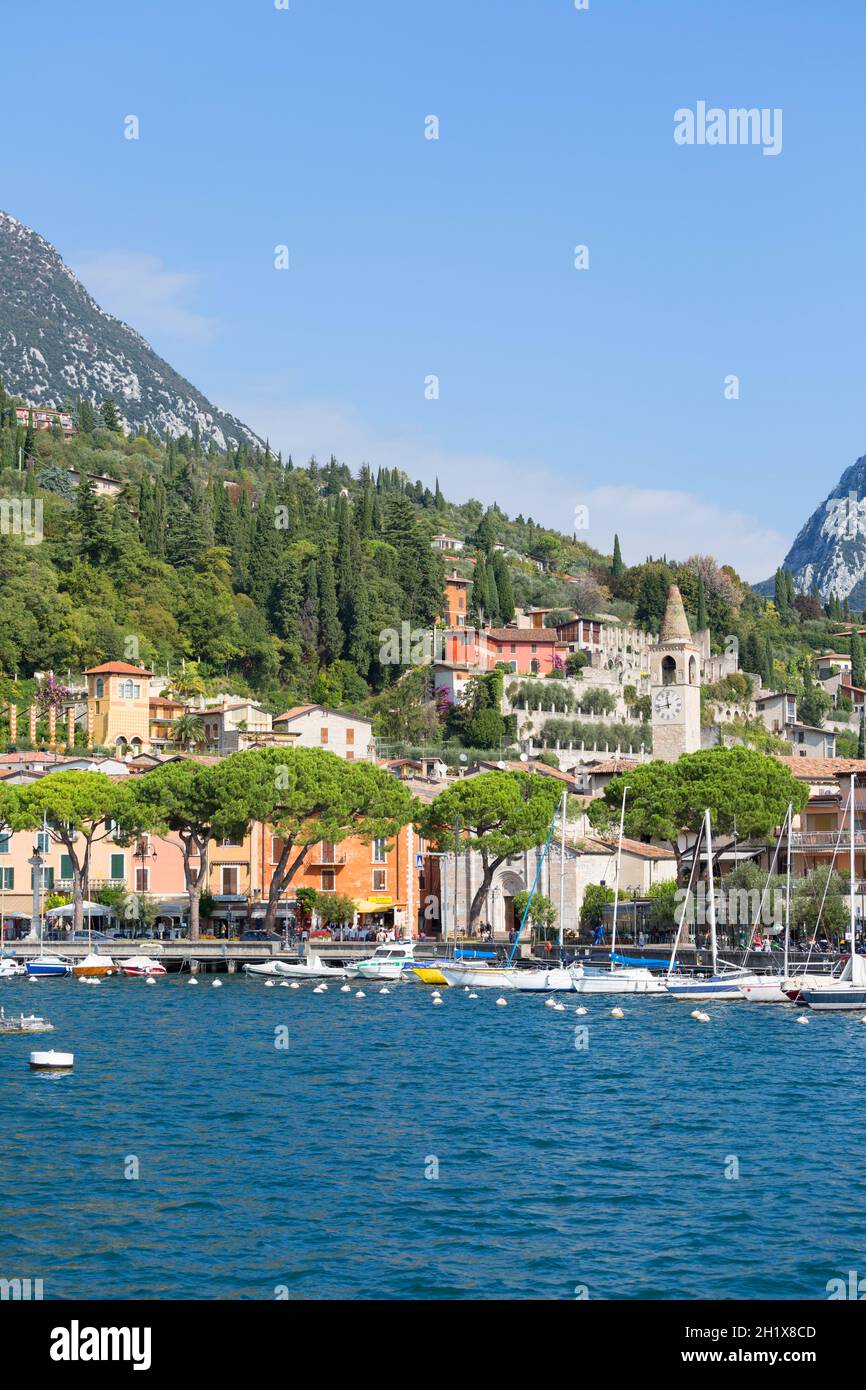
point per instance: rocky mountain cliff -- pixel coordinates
(829, 553)
(56, 344)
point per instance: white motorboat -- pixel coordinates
(312, 967)
(10, 968)
(142, 966)
(388, 962)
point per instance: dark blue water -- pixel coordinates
(304, 1169)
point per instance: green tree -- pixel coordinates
(742, 788)
(499, 814)
(307, 795)
(79, 809)
(858, 672)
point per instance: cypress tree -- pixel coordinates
(861, 738)
(617, 568)
(330, 631)
(503, 587)
(857, 668)
(702, 605)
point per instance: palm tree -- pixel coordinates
(189, 731)
(188, 682)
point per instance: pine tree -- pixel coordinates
(264, 550)
(86, 417)
(93, 527)
(111, 415)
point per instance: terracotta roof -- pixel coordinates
(807, 768)
(612, 765)
(675, 627)
(533, 765)
(24, 757)
(298, 710)
(637, 847)
(293, 713)
(117, 668)
(165, 701)
(523, 634)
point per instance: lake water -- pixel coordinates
(305, 1169)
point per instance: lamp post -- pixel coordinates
(36, 862)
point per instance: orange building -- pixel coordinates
(456, 600)
(385, 878)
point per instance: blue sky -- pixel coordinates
(454, 257)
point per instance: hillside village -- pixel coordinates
(495, 647)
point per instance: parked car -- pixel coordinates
(260, 936)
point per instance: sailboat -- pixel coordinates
(476, 974)
(617, 979)
(43, 966)
(794, 985)
(770, 989)
(848, 990)
(719, 985)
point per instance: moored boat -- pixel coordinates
(312, 967)
(24, 1023)
(138, 966)
(94, 966)
(388, 962)
(43, 966)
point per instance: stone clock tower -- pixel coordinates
(675, 668)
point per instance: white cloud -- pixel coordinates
(649, 521)
(138, 288)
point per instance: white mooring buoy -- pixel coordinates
(360, 994)
(346, 989)
(52, 1061)
(805, 1019)
(617, 1013)
(581, 1011)
(216, 984)
(501, 1002)
(437, 1001)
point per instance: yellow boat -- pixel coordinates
(429, 975)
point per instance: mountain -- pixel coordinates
(56, 344)
(829, 553)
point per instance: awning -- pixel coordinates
(368, 905)
(90, 910)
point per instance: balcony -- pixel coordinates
(325, 858)
(824, 841)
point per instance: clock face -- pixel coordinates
(668, 704)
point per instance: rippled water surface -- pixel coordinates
(304, 1168)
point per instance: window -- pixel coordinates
(323, 735)
(350, 756)
(230, 880)
(7, 878)
(329, 852)
(380, 880)
(118, 867)
(329, 882)
(47, 879)
(65, 866)
(379, 852)
(43, 842)
(231, 840)
(350, 737)
(5, 841)
(276, 849)
(100, 687)
(142, 880)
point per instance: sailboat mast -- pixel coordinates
(616, 880)
(562, 877)
(851, 885)
(788, 891)
(712, 893)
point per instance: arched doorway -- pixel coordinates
(506, 887)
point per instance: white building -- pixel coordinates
(348, 735)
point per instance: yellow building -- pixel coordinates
(118, 707)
